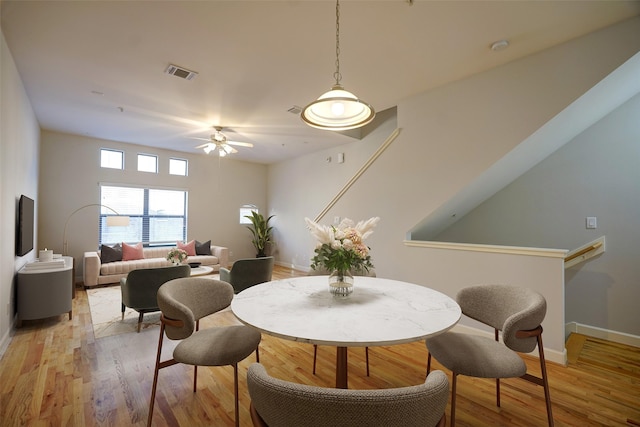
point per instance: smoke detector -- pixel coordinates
(183, 73)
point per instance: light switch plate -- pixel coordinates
(592, 222)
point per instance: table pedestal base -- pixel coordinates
(341, 367)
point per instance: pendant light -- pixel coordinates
(337, 109)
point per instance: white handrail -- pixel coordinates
(369, 162)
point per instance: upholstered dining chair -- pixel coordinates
(183, 303)
(320, 271)
(515, 311)
(140, 288)
(248, 272)
(279, 403)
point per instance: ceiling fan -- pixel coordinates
(218, 142)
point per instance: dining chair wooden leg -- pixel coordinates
(315, 355)
(257, 354)
(366, 355)
(155, 376)
(545, 380)
(235, 392)
(453, 398)
(195, 377)
(140, 316)
(428, 363)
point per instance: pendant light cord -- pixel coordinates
(337, 74)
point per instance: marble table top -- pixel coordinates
(378, 312)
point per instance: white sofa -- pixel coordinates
(96, 273)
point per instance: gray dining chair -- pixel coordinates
(248, 272)
(516, 312)
(183, 303)
(139, 289)
(279, 403)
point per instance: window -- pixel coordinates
(178, 167)
(113, 159)
(246, 210)
(156, 216)
(147, 163)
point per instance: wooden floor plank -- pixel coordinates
(55, 372)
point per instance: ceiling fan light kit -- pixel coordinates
(337, 109)
(218, 142)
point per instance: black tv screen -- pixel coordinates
(24, 237)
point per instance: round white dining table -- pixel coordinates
(379, 312)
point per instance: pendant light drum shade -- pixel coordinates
(337, 110)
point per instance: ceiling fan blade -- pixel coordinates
(240, 144)
(201, 139)
(201, 146)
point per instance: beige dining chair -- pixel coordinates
(183, 303)
(516, 312)
(279, 403)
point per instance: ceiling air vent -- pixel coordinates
(295, 110)
(183, 73)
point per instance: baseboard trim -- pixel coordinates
(605, 334)
(550, 354)
(293, 266)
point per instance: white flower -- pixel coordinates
(347, 244)
(322, 233)
(365, 228)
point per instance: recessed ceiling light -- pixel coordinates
(499, 45)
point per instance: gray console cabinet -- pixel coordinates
(45, 292)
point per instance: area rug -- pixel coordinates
(106, 315)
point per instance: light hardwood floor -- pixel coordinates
(54, 373)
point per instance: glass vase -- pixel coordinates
(341, 283)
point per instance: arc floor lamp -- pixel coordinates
(116, 220)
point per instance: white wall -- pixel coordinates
(19, 145)
(596, 174)
(70, 174)
(448, 137)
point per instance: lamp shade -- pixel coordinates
(337, 110)
(118, 221)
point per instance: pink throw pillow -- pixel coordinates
(130, 253)
(189, 248)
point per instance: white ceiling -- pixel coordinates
(96, 68)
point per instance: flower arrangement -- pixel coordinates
(176, 255)
(341, 249)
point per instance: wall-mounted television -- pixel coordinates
(24, 235)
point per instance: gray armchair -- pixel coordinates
(248, 272)
(140, 287)
(279, 403)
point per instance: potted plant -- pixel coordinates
(261, 232)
